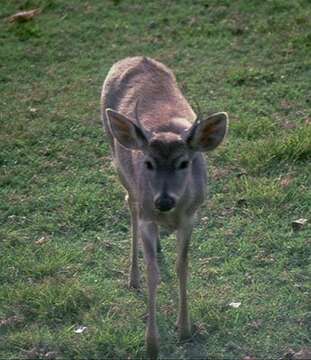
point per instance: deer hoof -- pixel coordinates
(184, 332)
(152, 346)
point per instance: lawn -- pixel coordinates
(64, 225)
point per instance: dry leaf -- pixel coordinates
(286, 105)
(256, 324)
(24, 15)
(288, 125)
(235, 305)
(31, 354)
(286, 181)
(168, 310)
(89, 247)
(303, 354)
(50, 355)
(32, 110)
(12, 320)
(41, 241)
(80, 329)
(299, 224)
(108, 244)
(199, 328)
(193, 20)
(219, 173)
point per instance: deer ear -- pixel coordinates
(208, 134)
(125, 131)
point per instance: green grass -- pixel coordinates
(57, 185)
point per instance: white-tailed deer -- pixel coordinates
(157, 144)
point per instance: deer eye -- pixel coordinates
(149, 165)
(183, 165)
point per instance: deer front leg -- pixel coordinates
(149, 232)
(183, 240)
(134, 269)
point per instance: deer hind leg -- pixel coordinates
(149, 237)
(134, 269)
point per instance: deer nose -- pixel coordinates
(164, 202)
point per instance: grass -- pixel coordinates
(64, 227)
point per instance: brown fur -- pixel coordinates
(151, 165)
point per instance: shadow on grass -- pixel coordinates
(194, 348)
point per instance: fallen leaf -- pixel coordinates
(286, 105)
(199, 328)
(288, 125)
(219, 173)
(235, 305)
(303, 354)
(167, 310)
(193, 20)
(80, 329)
(225, 189)
(299, 224)
(89, 247)
(249, 357)
(24, 15)
(256, 324)
(41, 241)
(286, 181)
(50, 355)
(12, 320)
(32, 110)
(31, 354)
(108, 245)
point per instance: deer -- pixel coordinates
(157, 143)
